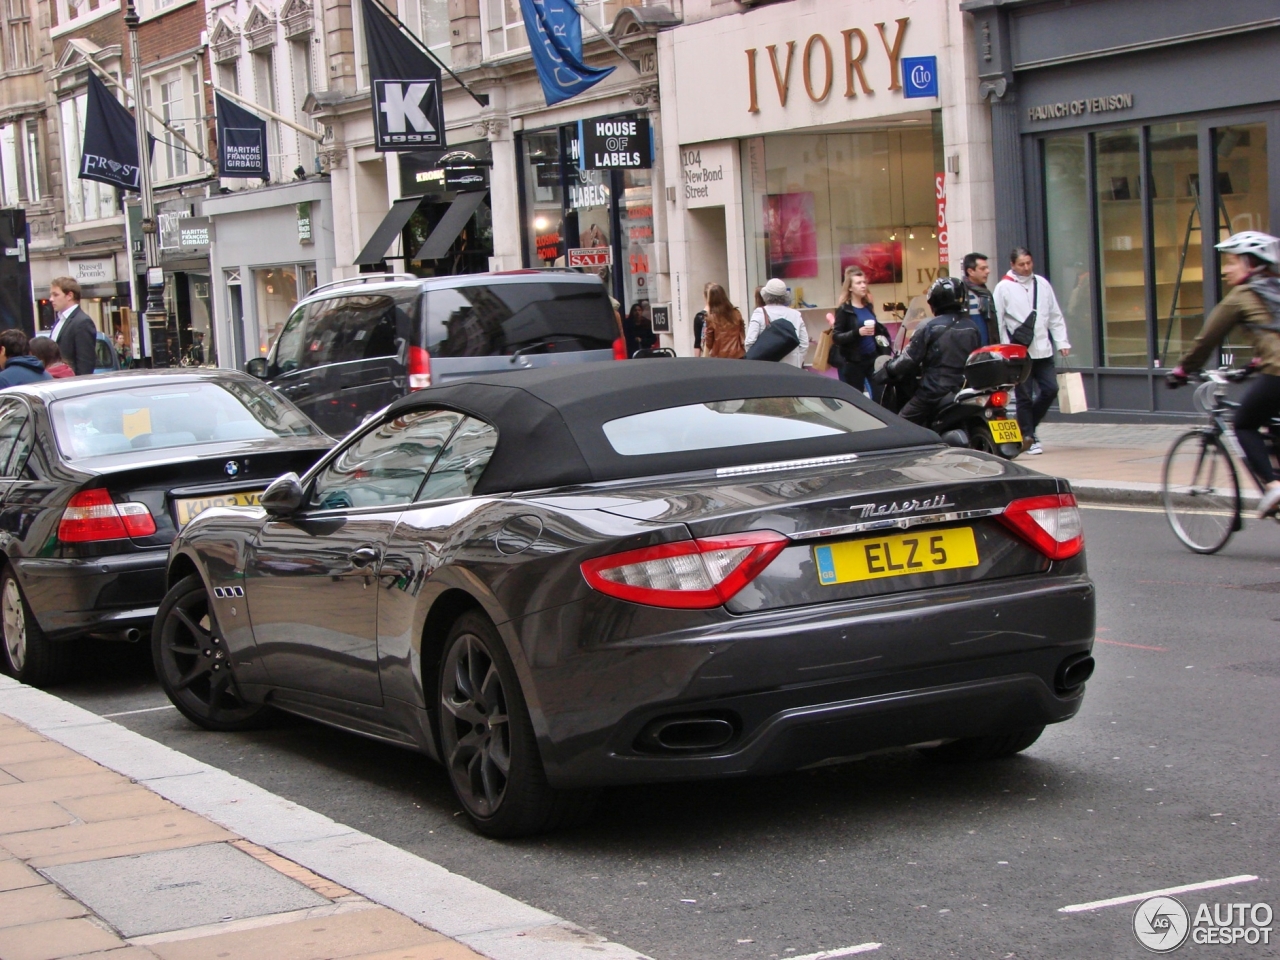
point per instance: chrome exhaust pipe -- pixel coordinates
(1073, 672)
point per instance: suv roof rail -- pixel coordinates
(364, 278)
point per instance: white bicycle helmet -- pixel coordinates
(1253, 242)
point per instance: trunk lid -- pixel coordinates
(875, 526)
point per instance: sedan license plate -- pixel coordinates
(188, 510)
(899, 555)
(1005, 431)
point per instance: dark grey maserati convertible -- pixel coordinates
(653, 570)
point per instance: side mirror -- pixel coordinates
(257, 367)
(283, 496)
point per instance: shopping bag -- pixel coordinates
(1071, 398)
(822, 352)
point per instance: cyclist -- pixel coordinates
(1250, 266)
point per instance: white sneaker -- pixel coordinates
(1035, 449)
(1270, 501)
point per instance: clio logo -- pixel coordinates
(866, 510)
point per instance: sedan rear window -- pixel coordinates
(735, 423)
(180, 414)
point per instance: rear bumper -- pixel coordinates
(801, 687)
(100, 595)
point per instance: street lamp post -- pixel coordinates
(156, 318)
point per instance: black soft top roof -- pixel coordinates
(550, 420)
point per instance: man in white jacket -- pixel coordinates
(1016, 295)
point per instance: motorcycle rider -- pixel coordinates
(938, 350)
(1251, 267)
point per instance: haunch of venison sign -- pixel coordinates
(1076, 108)
(622, 142)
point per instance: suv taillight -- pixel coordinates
(419, 368)
(92, 515)
(687, 574)
(1050, 523)
(619, 349)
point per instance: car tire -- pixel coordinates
(484, 727)
(974, 749)
(193, 663)
(29, 656)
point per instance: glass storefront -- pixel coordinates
(277, 292)
(570, 208)
(815, 204)
(1142, 217)
(422, 174)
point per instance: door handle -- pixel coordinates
(295, 388)
(364, 558)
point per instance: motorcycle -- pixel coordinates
(977, 415)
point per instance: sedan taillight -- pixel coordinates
(1050, 523)
(688, 574)
(419, 368)
(92, 515)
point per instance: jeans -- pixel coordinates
(1036, 395)
(1259, 404)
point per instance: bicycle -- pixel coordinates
(1200, 486)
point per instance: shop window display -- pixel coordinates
(1176, 238)
(1243, 199)
(1120, 245)
(1068, 231)
(816, 204)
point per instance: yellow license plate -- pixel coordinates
(897, 556)
(188, 510)
(1005, 431)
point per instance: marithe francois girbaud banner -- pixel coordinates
(242, 141)
(110, 150)
(408, 105)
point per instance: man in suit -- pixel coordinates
(74, 332)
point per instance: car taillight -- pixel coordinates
(92, 515)
(619, 349)
(419, 368)
(1050, 523)
(689, 574)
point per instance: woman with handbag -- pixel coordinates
(723, 330)
(857, 334)
(776, 331)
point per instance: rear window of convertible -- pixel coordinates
(736, 423)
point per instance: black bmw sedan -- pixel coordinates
(97, 475)
(656, 570)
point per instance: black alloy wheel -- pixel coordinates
(487, 742)
(995, 747)
(194, 664)
(29, 656)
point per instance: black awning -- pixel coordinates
(376, 249)
(450, 225)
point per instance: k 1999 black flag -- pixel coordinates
(242, 141)
(110, 151)
(408, 106)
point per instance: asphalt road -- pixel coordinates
(1168, 776)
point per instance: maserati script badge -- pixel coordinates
(232, 468)
(866, 510)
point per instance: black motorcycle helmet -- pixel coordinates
(948, 295)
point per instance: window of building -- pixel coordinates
(32, 161)
(18, 30)
(67, 15)
(302, 70)
(172, 103)
(435, 30)
(264, 86)
(229, 75)
(176, 96)
(87, 200)
(10, 175)
(503, 22)
(1121, 245)
(1068, 232)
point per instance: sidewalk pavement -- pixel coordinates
(1112, 462)
(93, 865)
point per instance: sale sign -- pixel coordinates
(940, 189)
(590, 257)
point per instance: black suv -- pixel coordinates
(353, 346)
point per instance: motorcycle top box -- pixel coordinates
(1001, 364)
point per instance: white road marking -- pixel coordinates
(839, 952)
(129, 713)
(1167, 892)
(1122, 508)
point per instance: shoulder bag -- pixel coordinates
(1025, 332)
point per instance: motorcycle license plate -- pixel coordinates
(1005, 431)
(899, 555)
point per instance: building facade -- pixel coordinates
(1128, 138)
(808, 136)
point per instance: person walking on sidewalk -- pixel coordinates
(982, 306)
(777, 309)
(723, 329)
(1250, 266)
(1022, 297)
(857, 334)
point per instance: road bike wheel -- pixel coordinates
(1201, 492)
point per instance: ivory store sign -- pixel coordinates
(770, 69)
